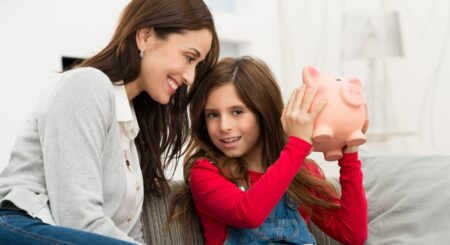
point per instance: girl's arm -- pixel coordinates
(348, 224)
(218, 198)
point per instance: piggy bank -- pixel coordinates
(343, 117)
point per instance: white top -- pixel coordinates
(129, 212)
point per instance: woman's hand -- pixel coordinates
(296, 117)
(351, 149)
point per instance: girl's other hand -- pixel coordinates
(297, 119)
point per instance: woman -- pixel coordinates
(99, 133)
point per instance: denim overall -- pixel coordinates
(283, 226)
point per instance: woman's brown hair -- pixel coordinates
(163, 128)
(257, 88)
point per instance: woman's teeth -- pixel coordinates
(172, 84)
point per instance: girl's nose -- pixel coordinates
(225, 123)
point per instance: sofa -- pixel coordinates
(408, 203)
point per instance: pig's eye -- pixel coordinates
(338, 79)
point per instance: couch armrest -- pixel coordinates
(154, 222)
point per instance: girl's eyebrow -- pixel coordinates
(238, 107)
(231, 107)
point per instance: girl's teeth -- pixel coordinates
(230, 140)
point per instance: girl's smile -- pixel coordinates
(230, 142)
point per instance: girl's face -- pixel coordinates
(232, 126)
(169, 63)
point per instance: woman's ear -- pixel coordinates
(143, 36)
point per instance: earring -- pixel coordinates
(141, 53)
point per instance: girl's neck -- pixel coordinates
(254, 158)
(256, 167)
(254, 163)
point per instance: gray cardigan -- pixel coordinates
(67, 157)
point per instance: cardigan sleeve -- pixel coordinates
(136, 232)
(217, 197)
(72, 132)
(348, 224)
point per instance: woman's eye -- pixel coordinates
(189, 59)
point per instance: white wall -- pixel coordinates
(416, 85)
(33, 37)
(287, 34)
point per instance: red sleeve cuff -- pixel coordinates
(350, 159)
(297, 142)
(351, 156)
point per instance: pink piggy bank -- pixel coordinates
(343, 117)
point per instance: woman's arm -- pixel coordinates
(222, 200)
(73, 131)
(136, 232)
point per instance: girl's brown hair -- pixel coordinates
(163, 128)
(259, 91)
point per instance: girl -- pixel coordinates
(98, 135)
(247, 170)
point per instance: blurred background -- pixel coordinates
(399, 49)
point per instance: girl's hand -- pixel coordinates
(296, 117)
(351, 149)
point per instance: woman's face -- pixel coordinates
(232, 126)
(168, 64)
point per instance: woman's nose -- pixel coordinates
(189, 75)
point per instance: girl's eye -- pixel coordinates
(237, 112)
(211, 115)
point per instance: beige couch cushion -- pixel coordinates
(408, 198)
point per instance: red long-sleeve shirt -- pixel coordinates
(221, 203)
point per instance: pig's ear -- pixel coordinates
(355, 81)
(310, 75)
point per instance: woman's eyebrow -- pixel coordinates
(197, 53)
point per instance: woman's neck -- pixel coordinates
(133, 89)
